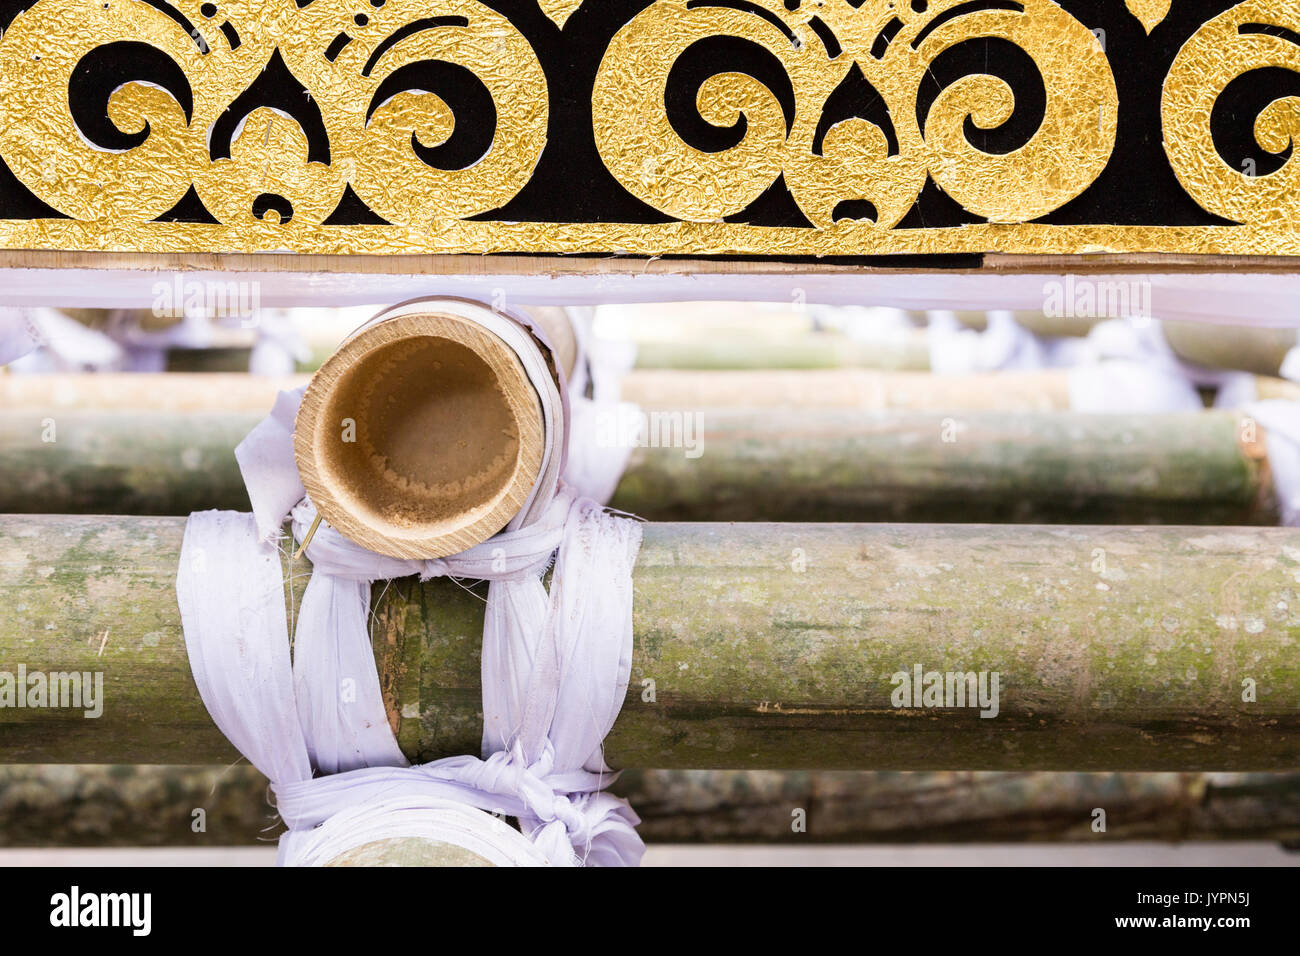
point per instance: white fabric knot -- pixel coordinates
(563, 812)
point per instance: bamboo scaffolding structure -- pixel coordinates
(756, 646)
(776, 465)
(49, 805)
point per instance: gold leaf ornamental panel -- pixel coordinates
(770, 128)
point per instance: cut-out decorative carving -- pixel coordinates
(780, 128)
(1149, 12)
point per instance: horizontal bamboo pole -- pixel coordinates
(48, 805)
(864, 389)
(210, 361)
(1257, 350)
(1047, 468)
(681, 806)
(774, 465)
(143, 391)
(1040, 323)
(818, 350)
(867, 390)
(756, 646)
(740, 335)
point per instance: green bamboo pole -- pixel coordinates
(1257, 350)
(1040, 323)
(53, 393)
(729, 464)
(48, 805)
(816, 350)
(209, 361)
(756, 646)
(866, 390)
(1049, 467)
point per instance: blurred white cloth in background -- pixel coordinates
(1003, 345)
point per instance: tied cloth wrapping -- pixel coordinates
(555, 667)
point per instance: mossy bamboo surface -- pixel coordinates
(128, 806)
(990, 467)
(756, 646)
(770, 464)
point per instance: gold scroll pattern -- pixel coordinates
(893, 45)
(391, 83)
(1252, 36)
(351, 65)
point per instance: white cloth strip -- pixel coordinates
(595, 403)
(18, 334)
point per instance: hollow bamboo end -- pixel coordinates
(421, 436)
(408, 851)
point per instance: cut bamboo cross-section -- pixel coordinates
(421, 436)
(756, 646)
(773, 464)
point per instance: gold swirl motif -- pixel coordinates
(213, 51)
(630, 121)
(52, 157)
(1227, 47)
(893, 45)
(375, 152)
(1073, 142)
